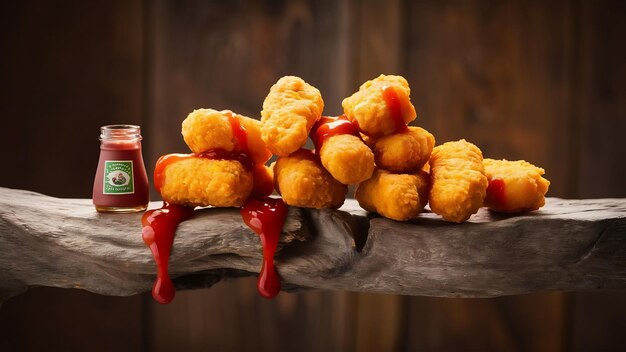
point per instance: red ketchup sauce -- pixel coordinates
(120, 156)
(239, 133)
(263, 215)
(266, 218)
(159, 227)
(496, 192)
(327, 127)
(395, 107)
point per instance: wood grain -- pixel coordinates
(568, 245)
(597, 319)
(502, 75)
(67, 68)
(498, 75)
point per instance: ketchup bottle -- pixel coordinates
(121, 183)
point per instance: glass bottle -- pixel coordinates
(121, 183)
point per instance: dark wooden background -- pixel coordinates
(539, 80)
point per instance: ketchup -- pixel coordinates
(121, 182)
(331, 126)
(266, 218)
(262, 214)
(239, 133)
(159, 228)
(395, 108)
(496, 192)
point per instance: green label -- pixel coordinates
(118, 177)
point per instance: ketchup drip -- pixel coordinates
(266, 218)
(395, 108)
(496, 191)
(264, 215)
(332, 126)
(239, 133)
(159, 228)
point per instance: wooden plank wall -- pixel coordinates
(544, 81)
(66, 68)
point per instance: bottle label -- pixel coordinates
(118, 177)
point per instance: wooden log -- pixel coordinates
(567, 245)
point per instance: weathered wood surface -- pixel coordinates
(568, 245)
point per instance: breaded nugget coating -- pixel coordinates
(514, 186)
(395, 196)
(405, 151)
(370, 111)
(204, 182)
(458, 180)
(289, 111)
(303, 182)
(347, 158)
(206, 129)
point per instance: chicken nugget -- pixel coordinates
(514, 186)
(347, 159)
(458, 180)
(341, 150)
(208, 129)
(303, 182)
(395, 196)
(405, 151)
(195, 181)
(289, 111)
(381, 106)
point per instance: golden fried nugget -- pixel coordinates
(458, 180)
(378, 113)
(347, 158)
(395, 196)
(514, 186)
(289, 111)
(206, 129)
(303, 182)
(404, 152)
(196, 181)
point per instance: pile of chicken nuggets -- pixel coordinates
(397, 168)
